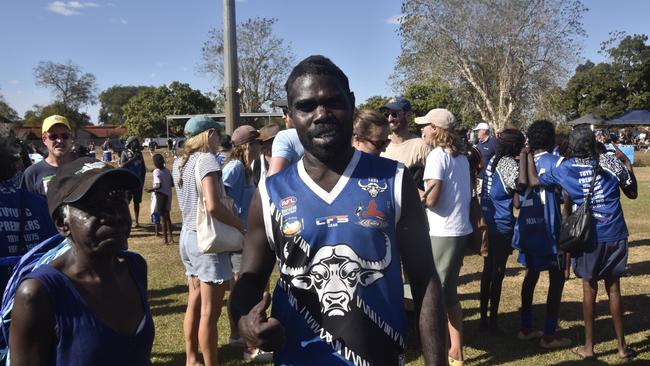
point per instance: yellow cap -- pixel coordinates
(50, 121)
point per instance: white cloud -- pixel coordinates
(152, 75)
(13, 82)
(123, 21)
(69, 8)
(395, 19)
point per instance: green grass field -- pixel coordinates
(167, 291)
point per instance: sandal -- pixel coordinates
(630, 354)
(453, 362)
(577, 352)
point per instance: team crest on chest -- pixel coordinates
(373, 187)
(370, 217)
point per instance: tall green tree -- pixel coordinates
(145, 114)
(264, 62)
(6, 111)
(71, 88)
(35, 116)
(375, 102)
(113, 100)
(502, 53)
(612, 88)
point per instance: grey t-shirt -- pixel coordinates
(187, 194)
(37, 177)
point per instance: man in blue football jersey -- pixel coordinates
(338, 223)
(606, 258)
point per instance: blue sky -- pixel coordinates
(151, 42)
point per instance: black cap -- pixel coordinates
(398, 104)
(73, 180)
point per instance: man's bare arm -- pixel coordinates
(277, 164)
(249, 301)
(417, 259)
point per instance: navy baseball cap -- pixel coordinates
(198, 124)
(398, 104)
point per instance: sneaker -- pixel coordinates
(257, 355)
(554, 342)
(236, 342)
(530, 334)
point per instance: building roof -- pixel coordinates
(104, 131)
(637, 117)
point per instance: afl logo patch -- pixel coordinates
(288, 202)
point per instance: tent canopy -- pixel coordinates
(588, 119)
(637, 117)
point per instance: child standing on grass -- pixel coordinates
(162, 190)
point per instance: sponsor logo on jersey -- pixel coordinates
(332, 221)
(291, 227)
(370, 217)
(288, 202)
(373, 187)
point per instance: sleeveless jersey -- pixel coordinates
(81, 337)
(538, 225)
(340, 292)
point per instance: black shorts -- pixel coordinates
(161, 203)
(136, 195)
(605, 260)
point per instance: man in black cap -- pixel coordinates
(132, 160)
(405, 147)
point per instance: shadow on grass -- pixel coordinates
(476, 275)
(638, 269)
(506, 348)
(228, 355)
(639, 243)
(164, 292)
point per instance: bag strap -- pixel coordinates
(197, 179)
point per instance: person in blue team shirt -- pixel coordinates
(339, 223)
(24, 220)
(287, 148)
(503, 178)
(607, 257)
(536, 234)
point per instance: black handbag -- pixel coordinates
(577, 231)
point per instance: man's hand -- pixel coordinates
(621, 156)
(260, 331)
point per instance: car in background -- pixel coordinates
(152, 143)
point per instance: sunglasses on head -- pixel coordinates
(55, 136)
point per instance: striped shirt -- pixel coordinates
(187, 194)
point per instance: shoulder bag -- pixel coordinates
(213, 236)
(576, 232)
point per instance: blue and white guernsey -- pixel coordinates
(498, 190)
(538, 225)
(340, 292)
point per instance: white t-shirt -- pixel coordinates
(450, 216)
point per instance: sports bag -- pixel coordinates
(213, 236)
(576, 232)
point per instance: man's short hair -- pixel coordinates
(316, 65)
(9, 154)
(365, 119)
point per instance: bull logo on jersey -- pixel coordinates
(334, 274)
(373, 188)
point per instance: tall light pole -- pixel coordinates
(231, 77)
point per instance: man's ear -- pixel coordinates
(61, 224)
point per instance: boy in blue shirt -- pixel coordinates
(536, 234)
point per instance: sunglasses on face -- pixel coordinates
(391, 114)
(61, 136)
(379, 145)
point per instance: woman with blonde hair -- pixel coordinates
(207, 274)
(448, 183)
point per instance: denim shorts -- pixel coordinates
(235, 261)
(214, 268)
